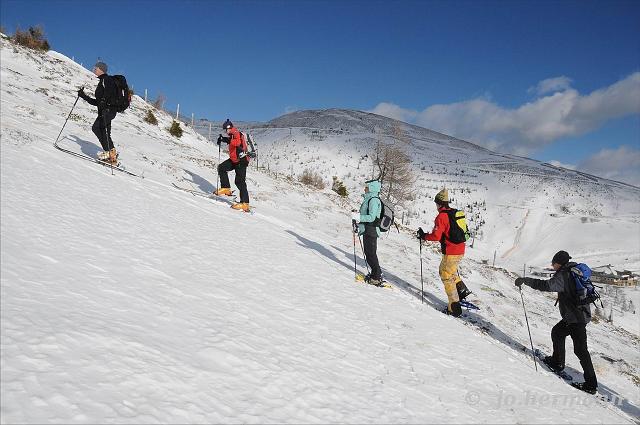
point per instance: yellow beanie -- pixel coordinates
(442, 196)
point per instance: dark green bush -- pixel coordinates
(175, 129)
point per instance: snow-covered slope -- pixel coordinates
(521, 210)
(125, 300)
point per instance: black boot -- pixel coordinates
(582, 386)
(456, 309)
(551, 364)
(463, 291)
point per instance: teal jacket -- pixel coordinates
(370, 211)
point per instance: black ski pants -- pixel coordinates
(241, 177)
(102, 128)
(578, 333)
(370, 253)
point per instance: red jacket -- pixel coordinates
(440, 233)
(237, 144)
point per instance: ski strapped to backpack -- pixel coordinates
(250, 148)
(121, 98)
(458, 230)
(585, 290)
(387, 217)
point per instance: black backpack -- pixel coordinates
(458, 231)
(120, 99)
(386, 219)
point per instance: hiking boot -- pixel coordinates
(463, 291)
(374, 282)
(112, 156)
(582, 386)
(456, 309)
(223, 191)
(551, 364)
(103, 156)
(242, 206)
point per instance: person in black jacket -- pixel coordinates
(102, 126)
(574, 320)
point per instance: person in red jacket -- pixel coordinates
(238, 161)
(452, 253)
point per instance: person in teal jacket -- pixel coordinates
(368, 227)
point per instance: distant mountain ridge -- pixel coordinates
(360, 122)
(354, 121)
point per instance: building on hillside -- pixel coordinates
(545, 273)
(610, 276)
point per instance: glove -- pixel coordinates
(219, 139)
(520, 281)
(354, 225)
(81, 92)
(420, 233)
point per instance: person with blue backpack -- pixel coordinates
(367, 226)
(575, 293)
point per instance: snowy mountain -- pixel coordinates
(521, 210)
(126, 300)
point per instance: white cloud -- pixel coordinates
(551, 85)
(560, 164)
(394, 111)
(531, 126)
(622, 164)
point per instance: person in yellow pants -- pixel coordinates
(450, 278)
(452, 253)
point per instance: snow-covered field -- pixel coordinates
(124, 300)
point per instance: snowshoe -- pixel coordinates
(456, 310)
(381, 283)
(548, 362)
(468, 305)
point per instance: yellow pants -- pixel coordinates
(449, 275)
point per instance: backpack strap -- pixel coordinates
(376, 221)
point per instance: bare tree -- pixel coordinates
(394, 167)
(159, 102)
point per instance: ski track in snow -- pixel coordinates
(127, 301)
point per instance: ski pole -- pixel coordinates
(68, 116)
(529, 329)
(218, 173)
(421, 279)
(364, 255)
(355, 272)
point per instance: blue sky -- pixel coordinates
(553, 80)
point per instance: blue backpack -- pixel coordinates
(585, 290)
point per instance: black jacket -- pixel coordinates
(105, 90)
(562, 283)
